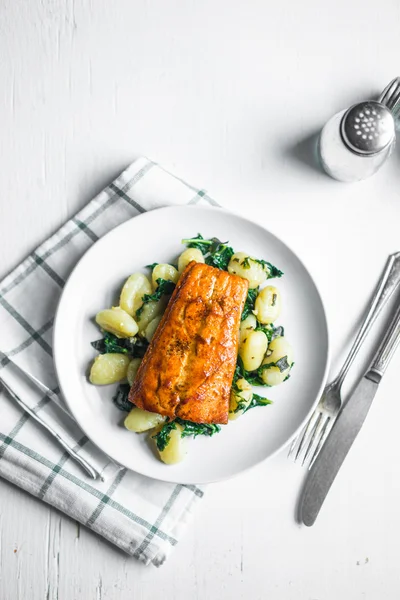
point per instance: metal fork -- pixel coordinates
(312, 437)
(391, 96)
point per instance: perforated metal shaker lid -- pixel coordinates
(368, 128)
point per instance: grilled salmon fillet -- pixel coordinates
(187, 370)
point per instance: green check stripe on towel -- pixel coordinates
(42, 449)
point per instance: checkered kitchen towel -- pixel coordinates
(42, 450)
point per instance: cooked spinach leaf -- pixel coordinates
(220, 257)
(195, 429)
(165, 288)
(267, 266)
(162, 438)
(120, 398)
(270, 268)
(140, 347)
(241, 405)
(250, 302)
(273, 271)
(134, 346)
(111, 343)
(198, 242)
(252, 377)
(217, 254)
(256, 400)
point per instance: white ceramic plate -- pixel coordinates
(95, 284)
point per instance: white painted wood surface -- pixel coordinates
(229, 96)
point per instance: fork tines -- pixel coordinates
(306, 446)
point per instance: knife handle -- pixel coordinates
(386, 349)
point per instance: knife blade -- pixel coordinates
(346, 428)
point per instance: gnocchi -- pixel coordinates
(150, 311)
(135, 287)
(278, 349)
(247, 325)
(151, 328)
(164, 271)
(117, 321)
(268, 305)
(187, 256)
(109, 368)
(252, 350)
(133, 368)
(241, 396)
(249, 268)
(140, 420)
(174, 452)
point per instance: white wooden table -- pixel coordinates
(228, 95)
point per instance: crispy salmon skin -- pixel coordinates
(188, 368)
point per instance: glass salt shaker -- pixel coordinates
(356, 142)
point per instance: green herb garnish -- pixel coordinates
(277, 332)
(282, 364)
(246, 262)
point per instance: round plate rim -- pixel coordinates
(57, 345)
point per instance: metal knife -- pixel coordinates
(346, 427)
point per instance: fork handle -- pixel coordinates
(386, 349)
(384, 290)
